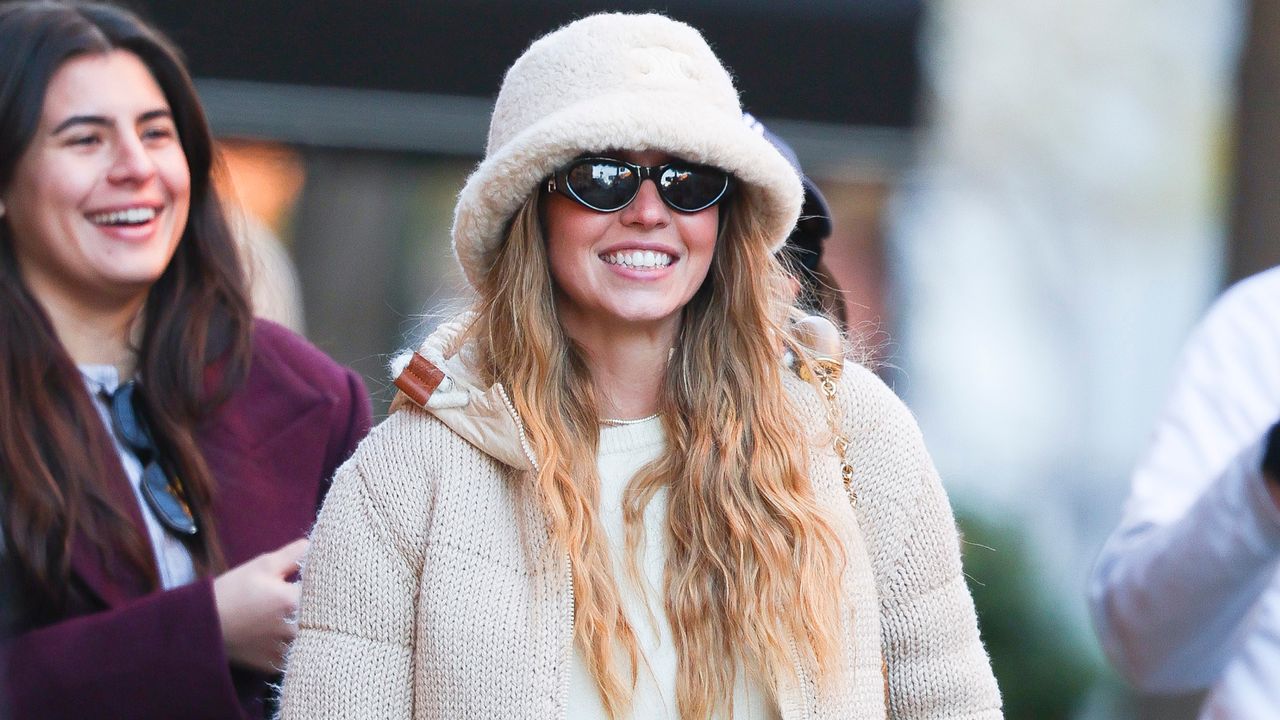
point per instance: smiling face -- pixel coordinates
(100, 197)
(639, 265)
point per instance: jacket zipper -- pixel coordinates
(524, 439)
(568, 654)
(568, 564)
(802, 689)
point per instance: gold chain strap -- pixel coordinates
(828, 371)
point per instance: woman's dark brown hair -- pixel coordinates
(197, 316)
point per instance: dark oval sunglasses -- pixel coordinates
(608, 185)
(161, 489)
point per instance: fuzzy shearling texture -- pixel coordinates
(615, 82)
(431, 589)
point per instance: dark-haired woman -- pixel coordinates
(160, 451)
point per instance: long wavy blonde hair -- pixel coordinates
(752, 578)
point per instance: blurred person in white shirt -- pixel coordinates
(1185, 595)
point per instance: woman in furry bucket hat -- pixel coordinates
(629, 482)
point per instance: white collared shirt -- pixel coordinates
(1185, 595)
(172, 557)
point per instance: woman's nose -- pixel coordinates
(647, 209)
(133, 164)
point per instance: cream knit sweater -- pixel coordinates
(431, 589)
(622, 451)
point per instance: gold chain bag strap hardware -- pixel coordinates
(828, 373)
(822, 336)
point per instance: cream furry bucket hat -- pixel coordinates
(621, 82)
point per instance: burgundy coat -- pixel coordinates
(125, 653)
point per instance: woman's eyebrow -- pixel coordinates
(150, 115)
(98, 120)
(102, 121)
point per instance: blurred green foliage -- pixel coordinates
(1043, 671)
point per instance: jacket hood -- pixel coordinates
(440, 378)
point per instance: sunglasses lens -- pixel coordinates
(160, 495)
(691, 187)
(601, 184)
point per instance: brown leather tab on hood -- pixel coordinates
(419, 379)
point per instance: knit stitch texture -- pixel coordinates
(432, 590)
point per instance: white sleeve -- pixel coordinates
(1172, 591)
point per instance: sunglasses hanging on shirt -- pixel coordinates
(162, 489)
(609, 185)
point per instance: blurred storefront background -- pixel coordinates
(1032, 203)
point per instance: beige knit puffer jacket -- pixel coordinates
(432, 590)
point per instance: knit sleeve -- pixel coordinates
(936, 664)
(352, 655)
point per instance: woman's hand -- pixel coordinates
(256, 604)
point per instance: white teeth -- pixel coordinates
(131, 216)
(644, 259)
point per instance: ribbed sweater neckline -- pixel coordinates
(616, 439)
